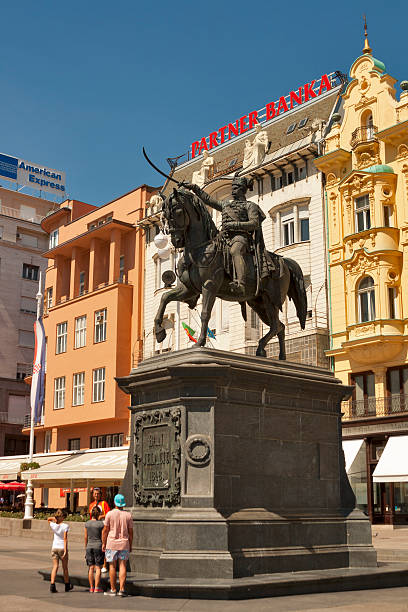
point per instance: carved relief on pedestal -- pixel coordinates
(197, 450)
(157, 457)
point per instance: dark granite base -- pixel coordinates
(236, 469)
(271, 585)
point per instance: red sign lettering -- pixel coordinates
(273, 109)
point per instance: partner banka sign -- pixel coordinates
(303, 95)
(28, 174)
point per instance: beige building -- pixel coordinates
(278, 154)
(366, 166)
(21, 243)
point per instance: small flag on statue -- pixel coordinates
(190, 332)
(211, 333)
(37, 382)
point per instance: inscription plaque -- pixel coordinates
(157, 457)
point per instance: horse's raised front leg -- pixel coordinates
(207, 306)
(181, 293)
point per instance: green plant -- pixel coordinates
(32, 465)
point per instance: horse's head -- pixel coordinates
(176, 217)
(188, 219)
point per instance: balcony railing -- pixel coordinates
(27, 421)
(363, 134)
(5, 417)
(16, 213)
(375, 407)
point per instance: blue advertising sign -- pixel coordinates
(28, 174)
(8, 167)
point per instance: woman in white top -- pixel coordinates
(59, 549)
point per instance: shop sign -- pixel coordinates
(64, 491)
(304, 94)
(28, 174)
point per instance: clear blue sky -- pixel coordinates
(84, 84)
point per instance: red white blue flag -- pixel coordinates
(37, 382)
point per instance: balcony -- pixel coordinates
(18, 214)
(27, 421)
(375, 407)
(5, 417)
(363, 135)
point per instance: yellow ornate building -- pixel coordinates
(365, 162)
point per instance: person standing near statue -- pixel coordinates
(117, 538)
(103, 511)
(241, 226)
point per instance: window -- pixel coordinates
(59, 393)
(291, 128)
(254, 320)
(47, 441)
(288, 227)
(366, 300)
(49, 293)
(107, 441)
(81, 283)
(74, 444)
(22, 370)
(28, 305)
(26, 338)
(98, 387)
(302, 122)
(290, 178)
(61, 338)
(121, 268)
(304, 230)
(363, 394)
(387, 216)
(392, 302)
(53, 239)
(80, 332)
(78, 389)
(100, 325)
(302, 172)
(362, 207)
(279, 182)
(30, 272)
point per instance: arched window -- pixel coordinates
(366, 300)
(367, 125)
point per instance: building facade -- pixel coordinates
(22, 240)
(278, 154)
(93, 325)
(366, 168)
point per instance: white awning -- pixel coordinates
(102, 466)
(10, 466)
(393, 463)
(351, 448)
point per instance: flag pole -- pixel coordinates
(29, 503)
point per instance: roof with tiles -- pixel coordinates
(229, 158)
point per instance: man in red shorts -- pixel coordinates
(117, 538)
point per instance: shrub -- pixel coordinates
(32, 465)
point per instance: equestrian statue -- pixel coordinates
(232, 264)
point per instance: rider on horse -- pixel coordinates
(241, 229)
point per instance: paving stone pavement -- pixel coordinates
(22, 590)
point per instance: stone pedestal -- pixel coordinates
(236, 468)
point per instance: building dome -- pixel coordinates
(380, 168)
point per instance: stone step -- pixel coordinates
(265, 585)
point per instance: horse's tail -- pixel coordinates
(296, 291)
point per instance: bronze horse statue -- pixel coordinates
(201, 270)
